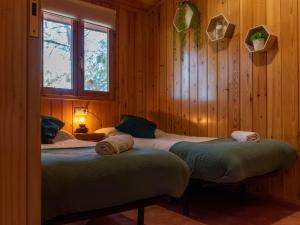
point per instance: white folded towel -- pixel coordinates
(114, 145)
(245, 136)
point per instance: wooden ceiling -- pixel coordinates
(142, 4)
(137, 4)
(149, 3)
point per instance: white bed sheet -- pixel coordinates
(165, 141)
(67, 144)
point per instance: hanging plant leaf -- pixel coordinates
(187, 17)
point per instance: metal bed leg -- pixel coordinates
(51, 223)
(243, 192)
(185, 202)
(140, 219)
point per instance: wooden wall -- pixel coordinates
(220, 87)
(130, 85)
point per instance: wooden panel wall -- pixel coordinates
(130, 85)
(220, 87)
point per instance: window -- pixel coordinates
(95, 60)
(57, 54)
(77, 58)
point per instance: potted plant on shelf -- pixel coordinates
(258, 39)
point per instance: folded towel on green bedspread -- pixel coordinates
(227, 161)
(78, 180)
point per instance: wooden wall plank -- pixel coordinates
(177, 86)
(45, 106)
(222, 79)
(162, 82)
(170, 68)
(274, 73)
(290, 85)
(56, 108)
(130, 76)
(212, 88)
(185, 88)
(156, 111)
(259, 75)
(150, 67)
(193, 87)
(234, 68)
(274, 88)
(246, 93)
(123, 54)
(203, 72)
(67, 115)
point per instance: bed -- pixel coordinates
(79, 184)
(221, 160)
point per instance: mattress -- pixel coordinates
(227, 161)
(79, 180)
(165, 141)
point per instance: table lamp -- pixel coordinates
(80, 114)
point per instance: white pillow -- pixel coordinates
(160, 133)
(63, 135)
(109, 131)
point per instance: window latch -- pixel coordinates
(34, 24)
(81, 63)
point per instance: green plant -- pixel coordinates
(195, 23)
(259, 35)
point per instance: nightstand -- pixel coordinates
(90, 136)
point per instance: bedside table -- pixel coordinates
(89, 137)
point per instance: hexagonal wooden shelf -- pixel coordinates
(268, 43)
(189, 14)
(219, 28)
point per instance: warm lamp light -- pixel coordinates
(80, 120)
(80, 114)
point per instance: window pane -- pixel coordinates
(95, 61)
(57, 55)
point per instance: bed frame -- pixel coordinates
(242, 188)
(139, 205)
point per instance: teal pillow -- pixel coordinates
(137, 126)
(49, 128)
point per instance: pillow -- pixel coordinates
(137, 126)
(49, 128)
(108, 131)
(63, 135)
(160, 133)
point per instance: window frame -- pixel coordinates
(77, 91)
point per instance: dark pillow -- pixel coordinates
(137, 126)
(49, 128)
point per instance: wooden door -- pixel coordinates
(19, 117)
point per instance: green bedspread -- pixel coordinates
(78, 180)
(227, 161)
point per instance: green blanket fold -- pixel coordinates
(77, 180)
(227, 161)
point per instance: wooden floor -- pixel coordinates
(211, 208)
